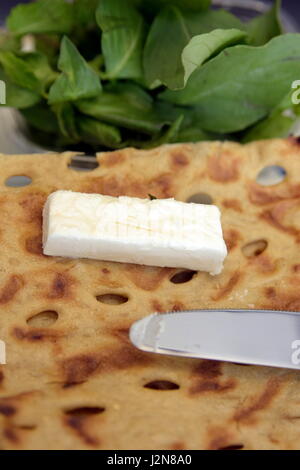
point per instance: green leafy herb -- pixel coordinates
(113, 73)
(123, 33)
(126, 105)
(202, 47)
(17, 96)
(77, 80)
(66, 120)
(42, 118)
(266, 26)
(163, 52)
(99, 133)
(42, 16)
(20, 72)
(242, 84)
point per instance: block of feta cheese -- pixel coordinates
(158, 232)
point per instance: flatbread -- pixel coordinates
(73, 380)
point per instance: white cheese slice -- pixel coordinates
(159, 232)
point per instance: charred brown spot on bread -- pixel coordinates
(207, 369)
(270, 292)
(10, 288)
(113, 158)
(177, 306)
(225, 290)
(285, 300)
(212, 386)
(34, 245)
(32, 204)
(121, 333)
(162, 185)
(263, 195)
(178, 445)
(233, 204)
(264, 264)
(261, 402)
(179, 159)
(7, 410)
(277, 215)
(221, 439)
(77, 369)
(147, 278)
(37, 334)
(10, 434)
(223, 167)
(61, 286)
(296, 268)
(206, 377)
(232, 238)
(78, 420)
(157, 306)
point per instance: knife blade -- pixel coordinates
(261, 337)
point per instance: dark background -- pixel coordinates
(291, 6)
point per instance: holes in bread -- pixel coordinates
(84, 411)
(112, 299)
(18, 181)
(43, 319)
(232, 447)
(162, 385)
(200, 198)
(83, 163)
(271, 175)
(255, 248)
(182, 277)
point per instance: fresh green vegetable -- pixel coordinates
(42, 16)
(77, 80)
(163, 52)
(242, 84)
(123, 33)
(266, 26)
(112, 73)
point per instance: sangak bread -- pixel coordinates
(73, 380)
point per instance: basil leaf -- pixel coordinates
(123, 33)
(41, 68)
(19, 72)
(126, 105)
(278, 124)
(42, 16)
(84, 13)
(77, 80)
(202, 47)
(66, 120)
(8, 42)
(16, 96)
(242, 84)
(265, 27)
(42, 118)
(162, 53)
(96, 132)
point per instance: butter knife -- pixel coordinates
(261, 337)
